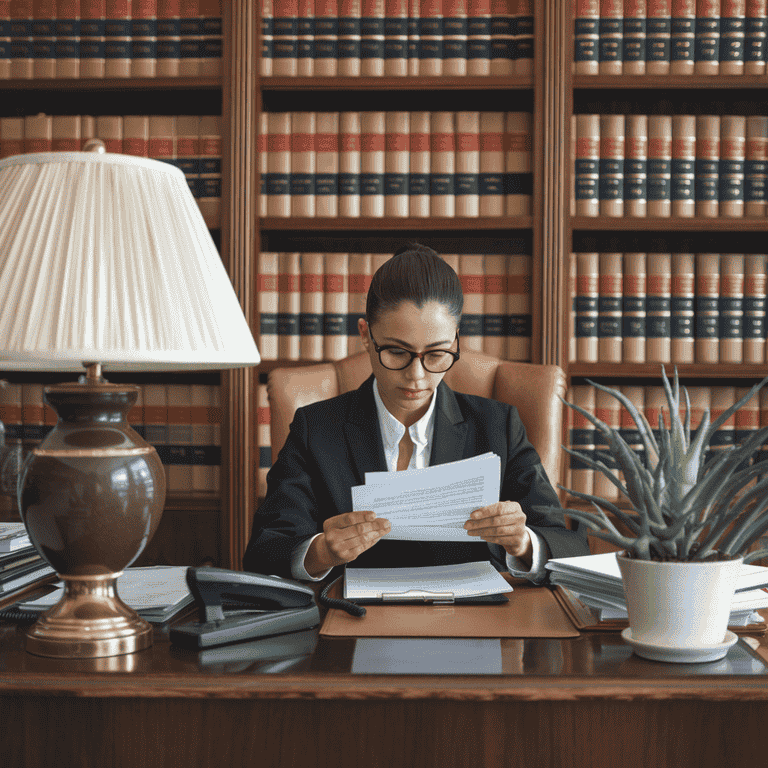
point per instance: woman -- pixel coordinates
(403, 417)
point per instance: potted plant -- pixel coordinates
(691, 524)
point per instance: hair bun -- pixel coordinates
(414, 247)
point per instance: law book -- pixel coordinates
(21, 41)
(414, 28)
(519, 318)
(372, 151)
(143, 34)
(656, 409)
(44, 38)
(754, 307)
(263, 440)
(33, 412)
(478, 37)
(279, 164)
(524, 38)
(261, 147)
(267, 15)
(468, 163)
(587, 165)
(289, 306)
(746, 419)
(162, 135)
(327, 164)
(634, 42)
(5, 40)
(179, 454)
(683, 37)
(700, 400)
(492, 164)
(168, 38)
(335, 305)
(11, 136)
(571, 332)
(349, 164)
(38, 133)
(442, 144)
(707, 165)
(682, 307)
(360, 274)
(430, 37)
(205, 466)
(633, 321)
(285, 41)
(117, 39)
(707, 40)
(210, 169)
(731, 168)
(586, 304)
(582, 438)
(611, 36)
(731, 308)
(518, 178)
(312, 301)
(348, 46)
(396, 164)
(609, 307)
(187, 149)
(635, 192)
(472, 277)
(66, 133)
(420, 163)
(303, 163)
(216, 418)
(156, 421)
(659, 165)
(683, 180)
(305, 38)
(732, 36)
(372, 38)
(722, 398)
(136, 135)
(707, 307)
(608, 410)
(326, 62)
(503, 52)
(455, 38)
(627, 427)
(586, 37)
(755, 166)
(611, 187)
(658, 307)
(572, 166)
(395, 38)
(755, 37)
(658, 37)
(495, 305)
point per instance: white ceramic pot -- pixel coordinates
(678, 605)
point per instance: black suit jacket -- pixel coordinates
(333, 443)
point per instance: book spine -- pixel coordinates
(609, 304)
(707, 41)
(634, 308)
(156, 421)
(608, 410)
(168, 38)
(187, 149)
(348, 48)
(11, 136)
(395, 38)
(216, 417)
(731, 169)
(311, 317)
(492, 161)
(587, 299)
(360, 273)
(336, 305)
(724, 438)
(636, 166)
(495, 305)
(135, 416)
(11, 398)
(305, 38)
(707, 165)
(683, 38)
(327, 164)
(210, 170)
(261, 145)
(266, 60)
(755, 166)
(179, 451)
(467, 164)
(634, 41)
(754, 307)
(524, 39)
(611, 36)
(627, 427)
(682, 307)
(472, 277)
(572, 278)
(731, 308)
(22, 57)
(431, 37)
(162, 135)
(442, 143)
(572, 167)
(136, 135)
(263, 437)
(518, 179)
(67, 39)
(117, 41)
(396, 164)
(109, 128)
(754, 37)
(582, 437)
(279, 164)
(372, 151)
(587, 165)
(302, 163)
(656, 408)
(414, 27)
(519, 318)
(707, 302)
(478, 37)
(732, 29)
(658, 320)
(746, 422)
(502, 38)
(586, 32)
(349, 164)
(326, 62)
(658, 36)
(372, 38)
(683, 165)
(612, 165)
(204, 450)
(455, 38)
(289, 306)
(420, 164)
(659, 165)
(5, 47)
(700, 399)
(44, 39)
(38, 133)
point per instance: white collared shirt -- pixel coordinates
(421, 434)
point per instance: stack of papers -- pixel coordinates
(13, 536)
(596, 579)
(431, 504)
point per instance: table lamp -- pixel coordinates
(106, 263)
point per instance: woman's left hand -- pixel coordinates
(502, 523)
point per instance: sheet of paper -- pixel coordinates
(431, 504)
(461, 580)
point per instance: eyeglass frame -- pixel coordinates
(456, 355)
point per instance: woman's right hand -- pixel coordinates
(344, 537)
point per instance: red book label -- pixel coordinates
(333, 283)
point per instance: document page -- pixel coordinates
(431, 504)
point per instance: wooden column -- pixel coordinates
(239, 240)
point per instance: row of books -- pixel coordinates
(670, 165)
(397, 38)
(395, 164)
(182, 421)
(20, 563)
(192, 143)
(651, 402)
(309, 303)
(110, 38)
(668, 307)
(669, 37)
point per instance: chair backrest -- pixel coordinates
(533, 389)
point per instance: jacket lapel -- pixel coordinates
(450, 428)
(363, 433)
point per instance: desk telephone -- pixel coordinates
(257, 606)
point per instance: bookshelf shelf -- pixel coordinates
(113, 84)
(695, 224)
(643, 82)
(653, 370)
(505, 223)
(272, 83)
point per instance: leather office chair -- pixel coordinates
(533, 389)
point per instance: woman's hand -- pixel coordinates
(502, 523)
(344, 537)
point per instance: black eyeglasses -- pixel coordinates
(434, 361)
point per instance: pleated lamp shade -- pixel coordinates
(106, 258)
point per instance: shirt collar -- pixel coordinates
(392, 430)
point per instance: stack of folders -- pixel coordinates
(157, 593)
(20, 563)
(596, 580)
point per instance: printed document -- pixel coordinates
(431, 504)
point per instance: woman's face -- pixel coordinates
(407, 393)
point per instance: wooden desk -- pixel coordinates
(585, 701)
